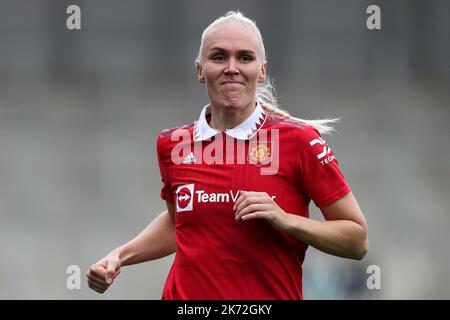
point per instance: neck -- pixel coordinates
(222, 118)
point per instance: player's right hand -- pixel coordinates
(102, 274)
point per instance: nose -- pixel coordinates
(231, 67)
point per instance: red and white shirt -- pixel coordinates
(204, 171)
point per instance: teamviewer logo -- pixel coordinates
(185, 197)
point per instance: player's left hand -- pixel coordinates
(259, 205)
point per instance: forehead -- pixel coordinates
(232, 35)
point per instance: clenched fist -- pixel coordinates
(102, 274)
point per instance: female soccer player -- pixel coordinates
(237, 184)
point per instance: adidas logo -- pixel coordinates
(190, 158)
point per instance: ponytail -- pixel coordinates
(266, 96)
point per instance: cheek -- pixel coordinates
(211, 71)
(252, 74)
(252, 81)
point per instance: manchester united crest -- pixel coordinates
(259, 153)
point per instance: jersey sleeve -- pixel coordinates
(319, 173)
(162, 162)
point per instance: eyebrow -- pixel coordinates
(240, 51)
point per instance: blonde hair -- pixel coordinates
(265, 91)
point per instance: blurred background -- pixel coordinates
(80, 112)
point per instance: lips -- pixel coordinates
(231, 82)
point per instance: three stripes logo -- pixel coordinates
(190, 158)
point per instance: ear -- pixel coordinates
(200, 75)
(263, 72)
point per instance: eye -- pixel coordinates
(246, 58)
(218, 57)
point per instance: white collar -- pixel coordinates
(244, 131)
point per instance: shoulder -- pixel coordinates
(169, 131)
(166, 137)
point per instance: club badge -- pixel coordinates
(259, 153)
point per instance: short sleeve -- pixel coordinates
(166, 189)
(319, 173)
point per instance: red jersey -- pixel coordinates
(204, 171)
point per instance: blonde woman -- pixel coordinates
(236, 232)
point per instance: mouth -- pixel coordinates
(231, 82)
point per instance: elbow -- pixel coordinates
(361, 251)
(361, 245)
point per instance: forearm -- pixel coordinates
(157, 240)
(343, 238)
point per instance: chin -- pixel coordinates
(233, 101)
(232, 105)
